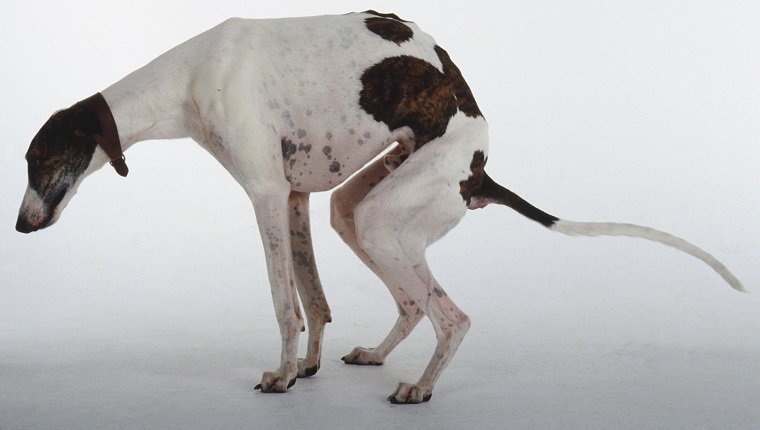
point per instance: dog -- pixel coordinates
(365, 101)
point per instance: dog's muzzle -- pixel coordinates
(28, 224)
(24, 226)
(35, 214)
(37, 219)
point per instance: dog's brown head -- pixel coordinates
(60, 156)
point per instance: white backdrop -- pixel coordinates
(147, 305)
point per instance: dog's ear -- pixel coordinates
(64, 128)
(37, 151)
(82, 122)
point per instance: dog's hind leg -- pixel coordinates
(307, 282)
(343, 205)
(413, 207)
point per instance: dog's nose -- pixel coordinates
(24, 226)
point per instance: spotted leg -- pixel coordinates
(413, 207)
(271, 215)
(343, 204)
(307, 282)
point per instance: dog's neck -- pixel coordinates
(150, 103)
(108, 138)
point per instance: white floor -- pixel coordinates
(184, 349)
(174, 382)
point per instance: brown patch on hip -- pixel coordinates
(406, 91)
(465, 100)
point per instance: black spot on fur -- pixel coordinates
(335, 167)
(302, 258)
(288, 148)
(327, 150)
(389, 29)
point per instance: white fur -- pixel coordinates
(250, 92)
(631, 230)
(243, 86)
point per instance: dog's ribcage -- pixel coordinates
(306, 86)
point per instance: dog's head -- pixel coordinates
(62, 154)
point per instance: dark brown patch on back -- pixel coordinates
(389, 29)
(465, 99)
(385, 15)
(407, 91)
(471, 186)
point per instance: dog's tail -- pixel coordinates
(491, 192)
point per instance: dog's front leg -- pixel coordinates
(272, 217)
(307, 282)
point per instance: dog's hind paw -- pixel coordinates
(363, 357)
(407, 394)
(273, 382)
(306, 368)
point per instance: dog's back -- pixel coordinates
(333, 94)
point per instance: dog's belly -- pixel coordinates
(322, 157)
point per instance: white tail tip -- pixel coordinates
(631, 230)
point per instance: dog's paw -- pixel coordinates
(363, 357)
(307, 368)
(273, 382)
(410, 394)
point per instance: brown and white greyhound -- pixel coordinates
(295, 106)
